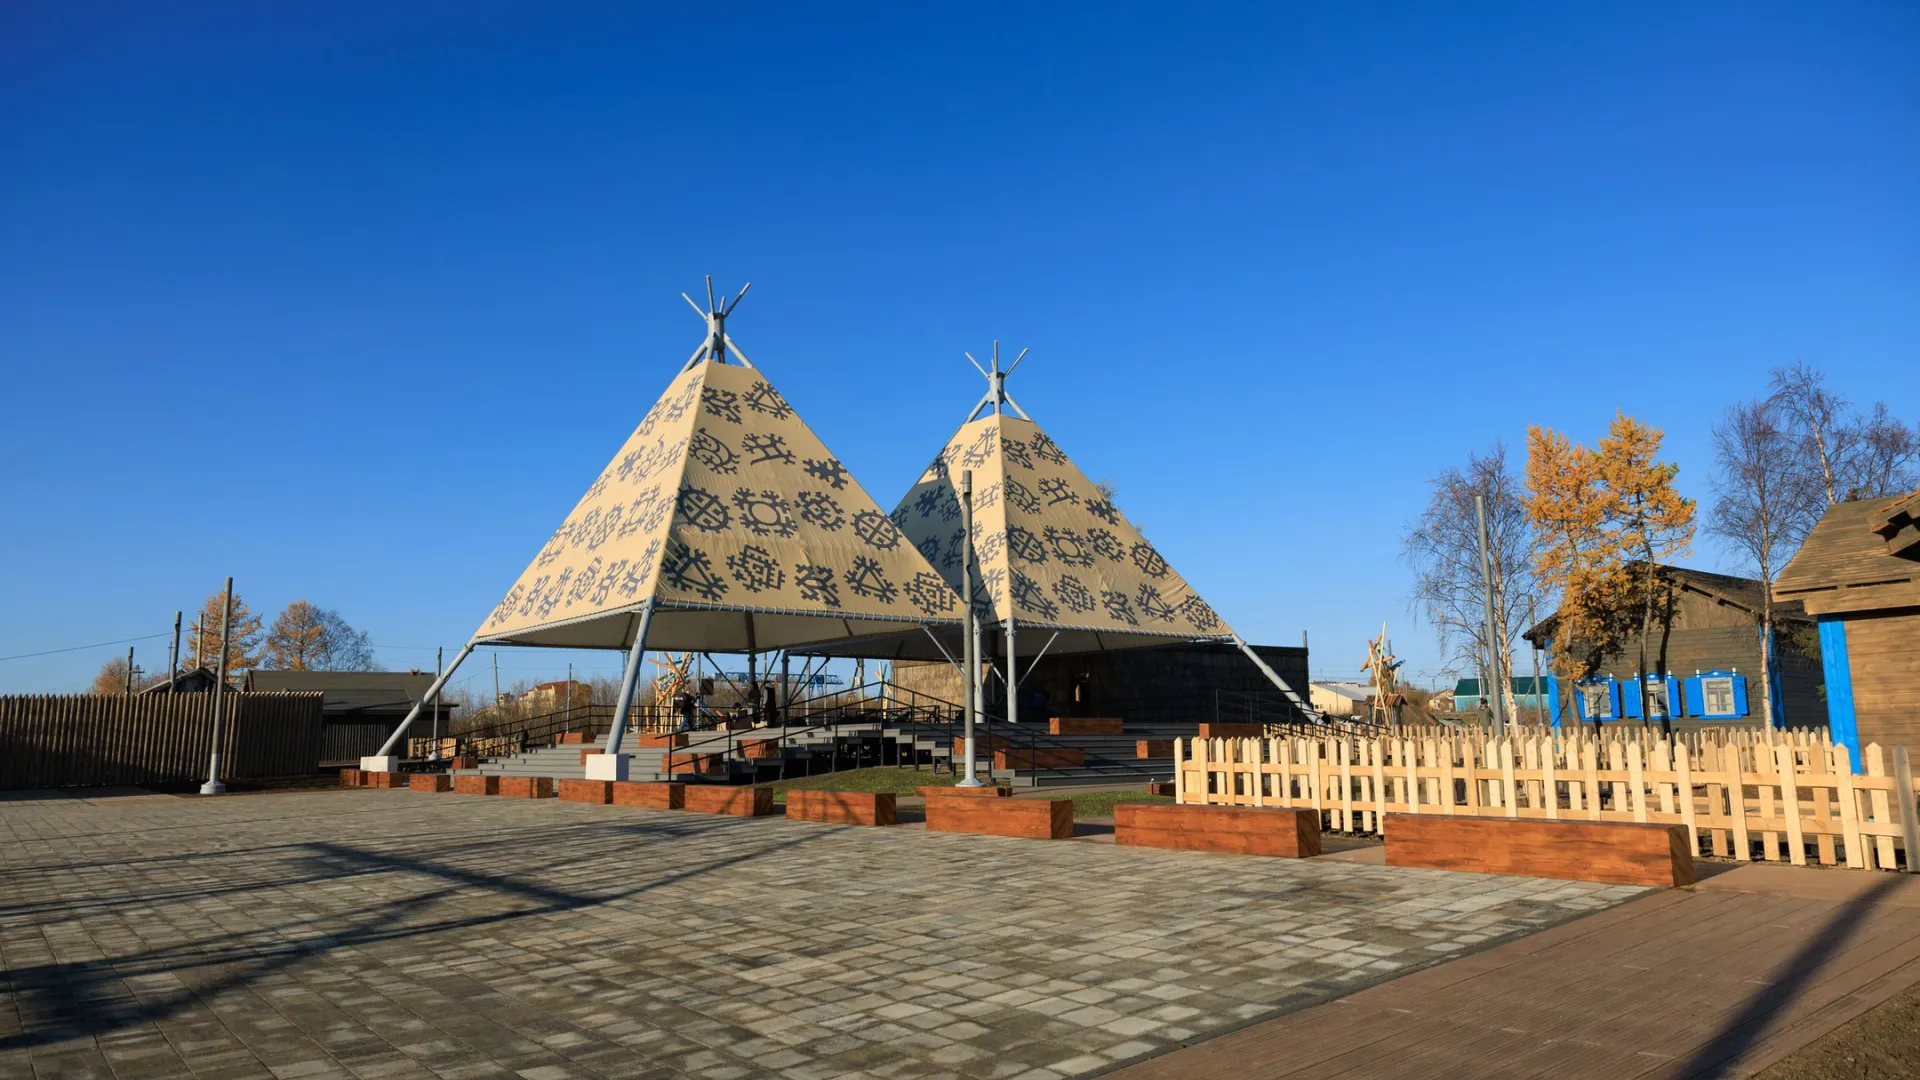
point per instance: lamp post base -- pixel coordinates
(213, 787)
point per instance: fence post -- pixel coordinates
(1909, 813)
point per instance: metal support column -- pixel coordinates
(969, 637)
(1013, 677)
(213, 786)
(623, 705)
(379, 762)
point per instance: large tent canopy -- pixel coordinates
(722, 524)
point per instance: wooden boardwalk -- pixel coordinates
(1720, 980)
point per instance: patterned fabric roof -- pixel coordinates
(722, 500)
(1051, 550)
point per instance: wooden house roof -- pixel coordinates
(1863, 555)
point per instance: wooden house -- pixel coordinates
(1858, 574)
(1706, 639)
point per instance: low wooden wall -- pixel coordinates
(94, 740)
(1619, 853)
(989, 791)
(841, 807)
(648, 795)
(1033, 819)
(1292, 834)
(1086, 725)
(1153, 748)
(429, 782)
(1232, 731)
(720, 799)
(599, 792)
(1042, 757)
(475, 784)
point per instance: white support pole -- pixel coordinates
(382, 761)
(1274, 678)
(1012, 676)
(213, 786)
(623, 704)
(969, 632)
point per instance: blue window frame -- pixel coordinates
(1717, 695)
(1597, 699)
(1663, 693)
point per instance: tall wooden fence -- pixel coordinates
(1751, 796)
(92, 740)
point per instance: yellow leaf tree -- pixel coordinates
(203, 641)
(1646, 521)
(1604, 518)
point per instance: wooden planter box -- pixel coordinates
(720, 799)
(648, 795)
(471, 784)
(982, 744)
(989, 792)
(598, 792)
(1619, 853)
(526, 787)
(1234, 830)
(468, 762)
(1033, 819)
(669, 739)
(1087, 725)
(841, 807)
(1041, 757)
(437, 781)
(1160, 787)
(1153, 748)
(570, 738)
(760, 749)
(699, 764)
(349, 777)
(383, 779)
(1233, 731)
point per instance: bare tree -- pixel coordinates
(1443, 547)
(1764, 502)
(1842, 454)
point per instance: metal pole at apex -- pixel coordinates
(213, 786)
(968, 639)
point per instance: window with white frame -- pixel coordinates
(1716, 695)
(1657, 703)
(1596, 700)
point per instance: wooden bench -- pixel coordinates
(665, 739)
(759, 749)
(981, 743)
(597, 792)
(722, 799)
(989, 791)
(1086, 725)
(526, 787)
(841, 807)
(1619, 853)
(648, 794)
(430, 781)
(1039, 757)
(570, 738)
(473, 784)
(1233, 731)
(1153, 748)
(1235, 830)
(1033, 819)
(699, 764)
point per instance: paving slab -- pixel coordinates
(397, 933)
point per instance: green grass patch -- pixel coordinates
(881, 778)
(1100, 804)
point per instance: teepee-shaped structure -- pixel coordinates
(1052, 555)
(721, 525)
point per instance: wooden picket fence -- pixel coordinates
(87, 740)
(1750, 795)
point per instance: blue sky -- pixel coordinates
(352, 301)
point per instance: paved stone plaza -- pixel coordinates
(389, 934)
